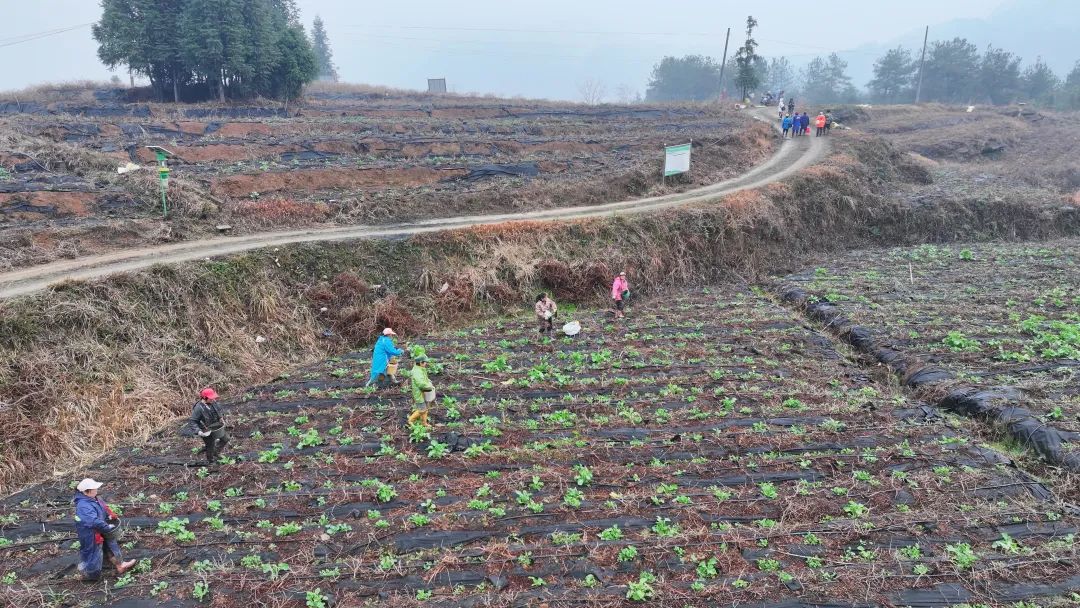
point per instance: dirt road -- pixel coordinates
(792, 156)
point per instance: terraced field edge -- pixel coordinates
(85, 366)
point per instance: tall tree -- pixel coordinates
(690, 78)
(141, 34)
(206, 48)
(999, 75)
(1070, 94)
(826, 80)
(324, 57)
(1040, 83)
(951, 74)
(894, 75)
(748, 75)
(296, 64)
(780, 76)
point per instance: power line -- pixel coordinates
(534, 31)
(594, 33)
(4, 42)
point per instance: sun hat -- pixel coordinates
(88, 484)
(208, 393)
(388, 332)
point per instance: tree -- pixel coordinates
(827, 81)
(951, 73)
(296, 65)
(592, 91)
(141, 34)
(894, 75)
(1040, 83)
(1070, 91)
(324, 57)
(999, 76)
(748, 75)
(690, 78)
(779, 76)
(204, 48)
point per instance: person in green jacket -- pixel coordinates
(423, 391)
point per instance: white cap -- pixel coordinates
(388, 332)
(88, 484)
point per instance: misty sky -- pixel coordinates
(535, 49)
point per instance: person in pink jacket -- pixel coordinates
(620, 290)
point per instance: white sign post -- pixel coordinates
(677, 159)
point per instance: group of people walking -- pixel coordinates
(98, 526)
(799, 124)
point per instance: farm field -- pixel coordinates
(994, 314)
(343, 156)
(708, 450)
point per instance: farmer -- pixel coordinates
(804, 121)
(96, 532)
(819, 123)
(620, 291)
(780, 108)
(546, 311)
(786, 125)
(381, 359)
(423, 391)
(828, 121)
(208, 422)
(791, 105)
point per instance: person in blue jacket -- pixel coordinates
(380, 357)
(786, 125)
(805, 122)
(92, 519)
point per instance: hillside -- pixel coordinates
(710, 449)
(347, 155)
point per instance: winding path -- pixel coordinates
(792, 156)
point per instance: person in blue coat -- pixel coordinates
(805, 122)
(786, 125)
(380, 357)
(92, 519)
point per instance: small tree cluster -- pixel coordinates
(955, 72)
(209, 49)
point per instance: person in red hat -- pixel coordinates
(208, 421)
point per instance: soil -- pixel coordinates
(990, 315)
(791, 158)
(373, 160)
(708, 450)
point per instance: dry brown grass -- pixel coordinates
(85, 366)
(81, 91)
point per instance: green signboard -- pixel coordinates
(676, 159)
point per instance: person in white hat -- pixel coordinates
(380, 357)
(96, 525)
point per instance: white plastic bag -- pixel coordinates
(572, 328)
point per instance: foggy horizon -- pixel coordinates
(513, 52)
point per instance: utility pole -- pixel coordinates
(723, 62)
(922, 61)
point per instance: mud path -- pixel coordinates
(792, 156)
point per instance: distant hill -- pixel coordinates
(1029, 28)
